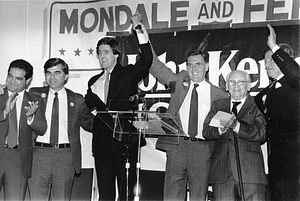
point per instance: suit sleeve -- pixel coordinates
(86, 117)
(141, 68)
(289, 67)
(253, 126)
(160, 71)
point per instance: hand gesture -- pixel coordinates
(10, 103)
(2, 87)
(31, 109)
(136, 19)
(272, 37)
(231, 123)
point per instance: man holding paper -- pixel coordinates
(248, 124)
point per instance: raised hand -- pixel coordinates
(2, 87)
(136, 19)
(272, 37)
(10, 103)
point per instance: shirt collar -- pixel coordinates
(242, 100)
(60, 92)
(199, 83)
(20, 94)
(279, 77)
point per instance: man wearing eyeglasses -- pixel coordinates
(248, 124)
(280, 103)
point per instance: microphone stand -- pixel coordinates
(127, 162)
(127, 165)
(237, 155)
(138, 163)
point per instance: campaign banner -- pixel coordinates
(233, 32)
(75, 27)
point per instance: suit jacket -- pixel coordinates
(123, 84)
(282, 109)
(78, 115)
(179, 85)
(250, 137)
(26, 132)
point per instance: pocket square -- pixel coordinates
(277, 85)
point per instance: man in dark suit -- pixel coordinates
(188, 157)
(56, 162)
(16, 141)
(109, 151)
(249, 126)
(280, 103)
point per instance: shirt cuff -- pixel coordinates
(274, 49)
(30, 122)
(142, 39)
(94, 112)
(237, 127)
(221, 132)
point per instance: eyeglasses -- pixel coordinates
(239, 83)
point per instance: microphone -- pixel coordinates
(138, 96)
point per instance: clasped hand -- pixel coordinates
(227, 124)
(10, 104)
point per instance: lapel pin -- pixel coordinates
(185, 84)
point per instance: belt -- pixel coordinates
(56, 146)
(193, 138)
(8, 147)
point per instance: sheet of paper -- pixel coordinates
(215, 121)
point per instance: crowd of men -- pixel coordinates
(40, 149)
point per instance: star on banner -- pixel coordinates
(91, 51)
(77, 52)
(62, 51)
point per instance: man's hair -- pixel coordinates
(198, 52)
(24, 65)
(288, 49)
(54, 62)
(112, 42)
(241, 71)
(285, 47)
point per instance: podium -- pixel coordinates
(144, 124)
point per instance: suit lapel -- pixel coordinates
(184, 88)
(44, 95)
(71, 108)
(113, 90)
(23, 119)
(245, 108)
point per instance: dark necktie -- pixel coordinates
(234, 107)
(106, 86)
(13, 128)
(272, 85)
(269, 94)
(54, 121)
(193, 118)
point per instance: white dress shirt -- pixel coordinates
(203, 91)
(63, 117)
